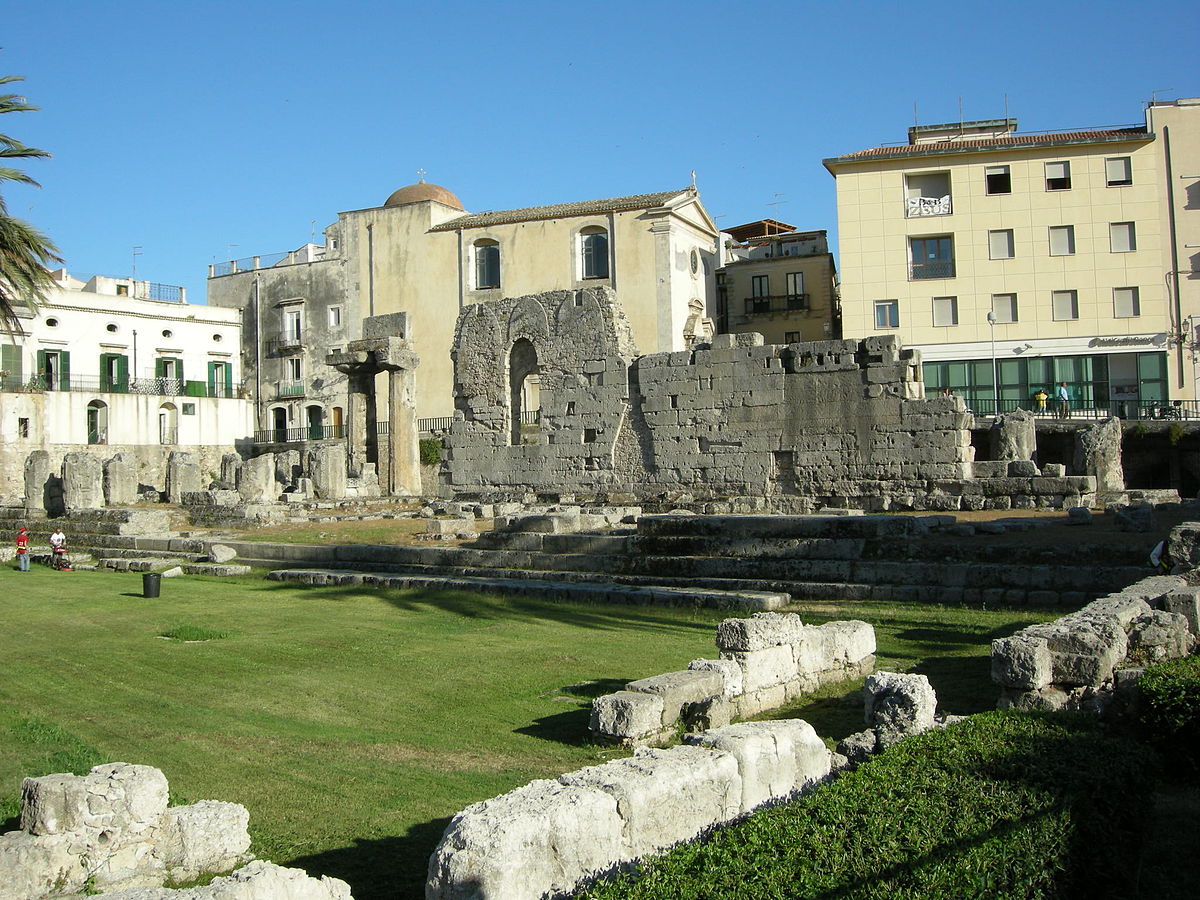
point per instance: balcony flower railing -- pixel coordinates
(941, 268)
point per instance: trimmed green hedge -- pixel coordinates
(1169, 711)
(1004, 804)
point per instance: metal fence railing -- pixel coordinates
(103, 384)
(435, 423)
(1087, 410)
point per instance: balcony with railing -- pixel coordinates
(776, 303)
(284, 389)
(938, 268)
(285, 342)
(306, 254)
(103, 384)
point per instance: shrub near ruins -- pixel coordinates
(1000, 805)
(1170, 711)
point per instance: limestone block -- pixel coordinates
(1122, 607)
(848, 642)
(1021, 661)
(1082, 651)
(678, 689)
(626, 715)
(1185, 602)
(666, 796)
(1079, 515)
(121, 480)
(221, 553)
(729, 670)
(1098, 453)
(326, 465)
(39, 865)
(259, 880)
(287, 467)
(899, 702)
(1160, 635)
(209, 836)
(774, 759)
(37, 477)
(83, 481)
(758, 632)
(183, 475)
(763, 668)
(1054, 470)
(1022, 468)
(857, 748)
(1138, 518)
(231, 463)
(255, 480)
(1150, 590)
(1183, 541)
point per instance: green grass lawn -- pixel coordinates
(352, 723)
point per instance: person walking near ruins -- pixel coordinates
(1064, 401)
(23, 550)
(58, 547)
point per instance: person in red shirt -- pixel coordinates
(23, 550)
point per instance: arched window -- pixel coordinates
(168, 424)
(97, 422)
(524, 389)
(316, 421)
(487, 264)
(279, 424)
(336, 423)
(593, 242)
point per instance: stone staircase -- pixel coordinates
(755, 562)
(124, 540)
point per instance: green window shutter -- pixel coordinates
(106, 383)
(212, 379)
(160, 368)
(64, 359)
(179, 370)
(228, 380)
(123, 373)
(41, 368)
(10, 362)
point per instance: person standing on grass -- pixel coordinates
(58, 546)
(23, 550)
(1064, 401)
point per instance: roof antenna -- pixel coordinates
(916, 119)
(961, 127)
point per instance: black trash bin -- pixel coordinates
(151, 582)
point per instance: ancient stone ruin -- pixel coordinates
(112, 831)
(553, 396)
(765, 661)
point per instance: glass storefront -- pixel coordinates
(1117, 382)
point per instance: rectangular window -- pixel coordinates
(1004, 308)
(335, 317)
(795, 284)
(1118, 171)
(887, 313)
(1126, 304)
(291, 326)
(1058, 176)
(1000, 244)
(23, 428)
(294, 368)
(1121, 237)
(1065, 305)
(927, 194)
(945, 311)
(760, 286)
(932, 257)
(791, 337)
(1062, 240)
(997, 180)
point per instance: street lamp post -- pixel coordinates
(991, 320)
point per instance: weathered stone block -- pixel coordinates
(1022, 662)
(1185, 602)
(899, 702)
(537, 840)
(83, 481)
(678, 689)
(728, 669)
(121, 480)
(849, 641)
(763, 668)
(758, 632)
(774, 759)
(666, 796)
(209, 836)
(1159, 635)
(626, 715)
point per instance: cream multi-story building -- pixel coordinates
(423, 254)
(1042, 258)
(779, 282)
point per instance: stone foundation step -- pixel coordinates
(141, 564)
(590, 592)
(143, 553)
(223, 570)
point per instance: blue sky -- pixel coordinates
(211, 130)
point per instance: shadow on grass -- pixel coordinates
(963, 684)
(391, 868)
(569, 727)
(470, 604)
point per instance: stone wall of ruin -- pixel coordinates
(836, 423)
